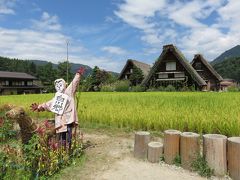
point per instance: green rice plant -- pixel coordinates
(201, 112)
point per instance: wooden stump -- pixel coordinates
(189, 148)
(233, 156)
(214, 151)
(171, 145)
(142, 139)
(155, 150)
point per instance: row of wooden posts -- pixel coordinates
(221, 153)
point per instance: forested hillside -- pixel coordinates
(47, 72)
(233, 52)
(229, 68)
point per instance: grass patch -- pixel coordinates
(201, 167)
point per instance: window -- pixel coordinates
(171, 66)
(171, 75)
(198, 66)
(131, 70)
(29, 83)
(7, 83)
(163, 76)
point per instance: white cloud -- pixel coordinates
(47, 23)
(50, 46)
(6, 7)
(188, 24)
(114, 50)
(49, 43)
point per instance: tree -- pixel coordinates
(47, 74)
(64, 71)
(98, 78)
(136, 77)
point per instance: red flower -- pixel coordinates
(46, 123)
(55, 146)
(40, 131)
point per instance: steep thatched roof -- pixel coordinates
(207, 64)
(180, 57)
(143, 66)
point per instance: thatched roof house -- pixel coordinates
(128, 68)
(172, 68)
(207, 72)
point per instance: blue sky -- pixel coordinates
(108, 32)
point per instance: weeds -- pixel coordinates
(177, 160)
(201, 167)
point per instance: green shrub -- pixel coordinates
(41, 158)
(137, 88)
(6, 129)
(233, 89)
(108, 88)
(122, 86)
(155, 89)
(177, 160)
(170, 88)
(161, 88)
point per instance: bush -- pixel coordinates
(6, 128)
(170, 88)
(233, 89)
(152, 89)
(155, 89)
(108, 88)
(137, 88)
(41, 158)
(122, 86)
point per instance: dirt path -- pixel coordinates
(111, 158)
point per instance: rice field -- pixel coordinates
(202, 112)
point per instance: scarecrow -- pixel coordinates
(64, 106)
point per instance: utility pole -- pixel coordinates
(67, 42)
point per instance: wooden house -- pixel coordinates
(207, 73)
(226, 83)
(17, 83)
(128, 69)
(172, 68)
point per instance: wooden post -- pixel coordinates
(155, 150)
(189, 148)
(214, 151)
(142, 139)
(171, 145)
(233, 156)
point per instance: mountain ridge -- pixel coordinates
(230, 53)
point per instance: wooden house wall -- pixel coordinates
(127, 71)
(207, 76)
(179, 68)
(12, 89)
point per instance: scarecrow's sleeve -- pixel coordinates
(46, 106)
(72, 88)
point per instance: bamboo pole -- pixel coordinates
(189, 148)
(142, 139)
(155, 150)
(233, 156)
(214, 151)
(171, 145)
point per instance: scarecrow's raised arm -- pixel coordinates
(72, 88)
